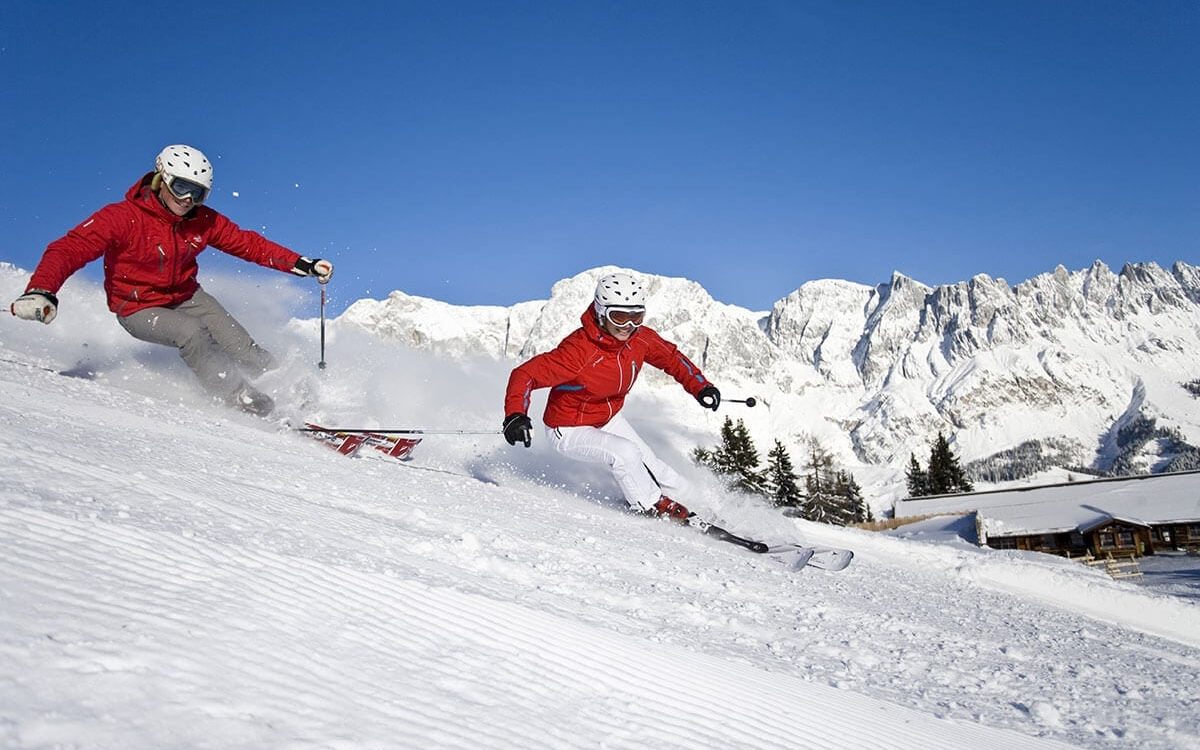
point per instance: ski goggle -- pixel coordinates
(625, 318)
(182, 188)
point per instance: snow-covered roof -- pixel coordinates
(1142, 500)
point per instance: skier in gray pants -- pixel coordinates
(211, 342)
(149, 243)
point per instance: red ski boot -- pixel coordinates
(668, 508)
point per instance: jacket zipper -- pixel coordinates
(175, 234)
(621, 389)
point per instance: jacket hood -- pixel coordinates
(140, 195)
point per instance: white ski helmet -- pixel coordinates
(186, 162)
(619, 290)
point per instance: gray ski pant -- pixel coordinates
(209, 339)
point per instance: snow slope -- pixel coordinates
(177, 575)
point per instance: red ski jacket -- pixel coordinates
(149, 252)
(590, 372)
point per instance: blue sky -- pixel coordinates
(477, 152)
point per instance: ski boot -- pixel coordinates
(668, 508)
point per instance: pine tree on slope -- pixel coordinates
(736, 459)
(945, 476)
(781, 478)
(821, 502)
(916, 478)
(856, 505)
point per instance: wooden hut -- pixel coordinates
(1121, 517)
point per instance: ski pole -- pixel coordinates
(405, 431)
(27, 364)
(748, 401)
(321, 364)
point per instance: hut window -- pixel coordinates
(1107, 541)
(1125, 538)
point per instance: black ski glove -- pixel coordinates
(518, 428)
(709, 397)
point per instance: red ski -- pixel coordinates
(347, 442)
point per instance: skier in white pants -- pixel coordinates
(589, 374)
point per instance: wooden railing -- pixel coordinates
(1116, 567)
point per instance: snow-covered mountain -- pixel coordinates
(1083, 368)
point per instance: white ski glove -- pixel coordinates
(322, 269)
(36, 304)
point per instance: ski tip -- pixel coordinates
(833, 560)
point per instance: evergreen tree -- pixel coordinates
(829, 495)
(835, 503)
(945, 476)
(916, 477)
(736, 459)
(781, 478)
(855, 504)
(718, 460)
(820, 499)
(743, 457)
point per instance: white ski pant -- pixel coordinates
(641, 475)
(210, 340)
